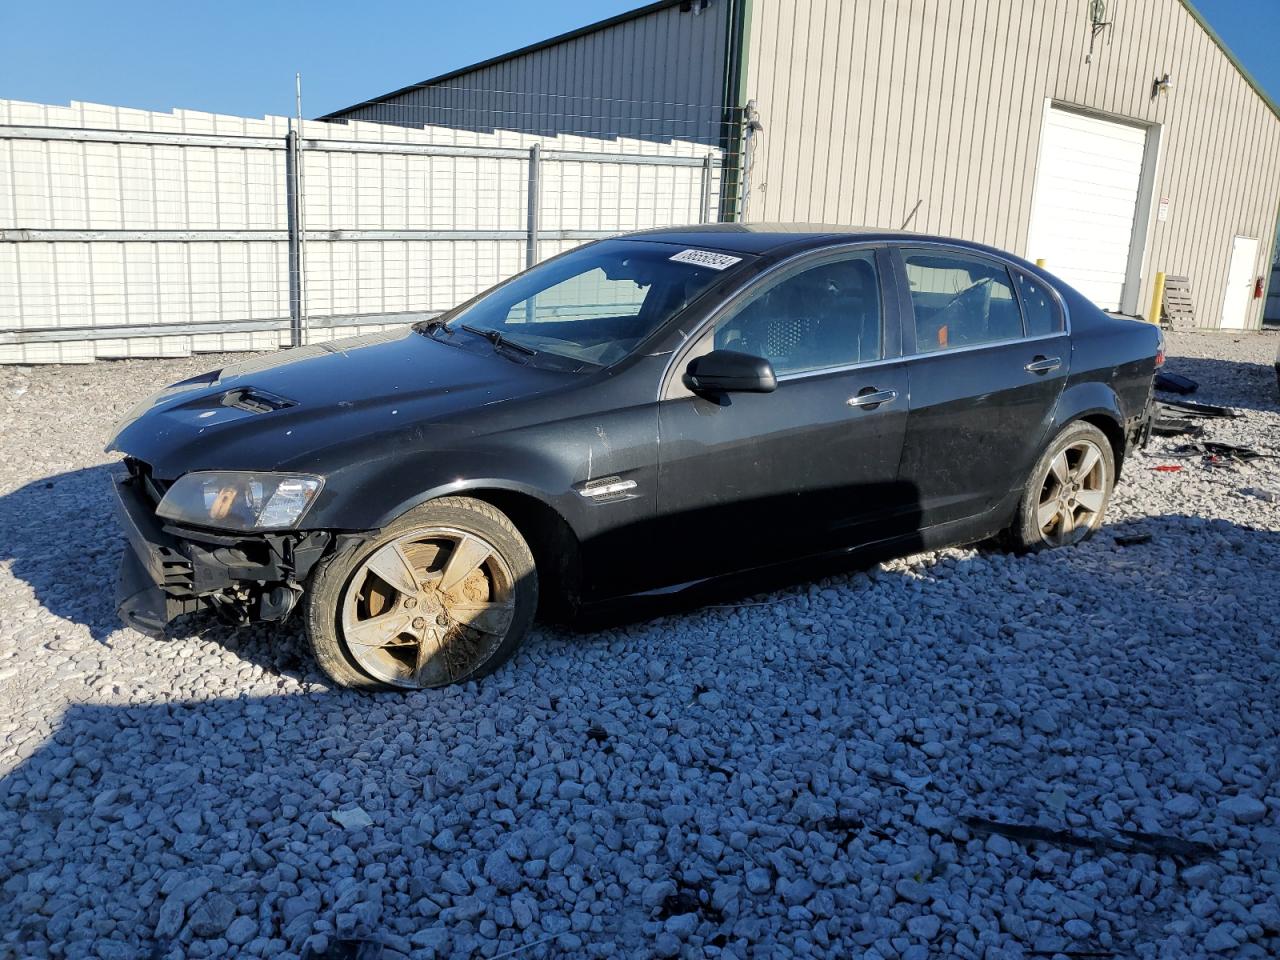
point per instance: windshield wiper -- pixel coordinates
(431, 325)
(498, 340)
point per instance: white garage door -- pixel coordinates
(1087, 183)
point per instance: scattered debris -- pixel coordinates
(353, 819)
(1175, 383)
(1167, 468)
(1262, 493)
(1126, 841)
(1214, 452)
(1191, 408)
(1133, 539)
(1177, 427)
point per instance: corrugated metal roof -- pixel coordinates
(522, 51)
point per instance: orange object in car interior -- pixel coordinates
(942, 336)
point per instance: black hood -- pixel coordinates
(295, 408)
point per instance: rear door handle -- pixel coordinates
(1043, 364)
(870, 398)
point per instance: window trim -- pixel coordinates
(897, 250)
(890, 313)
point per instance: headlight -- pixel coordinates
(232, 500)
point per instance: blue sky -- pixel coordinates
(239, 56)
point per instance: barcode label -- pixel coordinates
(706, 258)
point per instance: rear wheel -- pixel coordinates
(442, 595)
(1067, 494)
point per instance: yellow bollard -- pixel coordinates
(1040, 263)
(1157, 299)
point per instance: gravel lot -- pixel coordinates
(806, 773)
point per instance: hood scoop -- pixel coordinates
(253, 400)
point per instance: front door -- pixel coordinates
(747, 480)
(1240, 280)
(991, 359)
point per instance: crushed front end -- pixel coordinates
(170, 569)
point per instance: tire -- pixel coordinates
(1058, 509)
(395, 611)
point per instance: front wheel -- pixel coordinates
(1067, 494)
(442, 595)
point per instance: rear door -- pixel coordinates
(746, 479)
(990, 357)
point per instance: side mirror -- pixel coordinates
(727, 371)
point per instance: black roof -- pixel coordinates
(761, 238)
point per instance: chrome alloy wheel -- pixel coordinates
(1073, 494)
(429, 608)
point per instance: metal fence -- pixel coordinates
(129, 233)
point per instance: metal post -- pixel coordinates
(295, 236)
(1040, 262)
(531, 249)
(1157, 299)
(704, 212)
(300, 332)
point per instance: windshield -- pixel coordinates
(597, 303)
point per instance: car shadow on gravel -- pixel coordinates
(1115, 548)
(61, 538)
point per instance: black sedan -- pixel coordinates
(633, 416)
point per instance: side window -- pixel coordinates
(960, 301)
(1042, 312)
(822, 315)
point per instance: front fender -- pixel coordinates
(370, 494)
(457, 488)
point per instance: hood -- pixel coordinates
(288, 410)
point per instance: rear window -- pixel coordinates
(1039, 307)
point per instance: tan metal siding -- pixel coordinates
(655, 77)
(872, 105)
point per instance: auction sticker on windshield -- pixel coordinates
(706, 258)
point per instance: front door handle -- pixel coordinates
(1043, 364)
(869, 398)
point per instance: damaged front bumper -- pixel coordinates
(168, 570)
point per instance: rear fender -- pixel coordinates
(1096, 402)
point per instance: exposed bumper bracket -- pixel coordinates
(141, 602)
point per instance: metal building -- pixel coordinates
(1113, 138)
